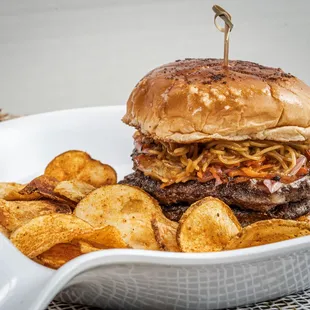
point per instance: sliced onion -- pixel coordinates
(219, 171)
(299, 163)
(218, 180)
(272, 185)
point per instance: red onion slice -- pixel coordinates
(272, 186)
(299, 163)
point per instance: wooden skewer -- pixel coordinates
(226, 17)
(226, 45)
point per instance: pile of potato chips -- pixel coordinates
(76, 207)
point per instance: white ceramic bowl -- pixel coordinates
(130, 279)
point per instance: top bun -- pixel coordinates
(196, 100)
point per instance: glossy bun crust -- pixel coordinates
(196, 100)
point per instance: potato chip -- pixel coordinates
(127, 208)
(10, 191)
(4, 231)
(5, 188)
(165, 234)
(106, 237)
(97, 174)
(79, 165)
(44, 186)
(59, 254)
(16, 196)
(304, 218)
(86, 247)
(207, 226)
(43, 232)
(16, 213)
(74, 190)
(268, 231)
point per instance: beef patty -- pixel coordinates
(250, 201)
(246, 195)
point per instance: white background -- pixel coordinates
(61, 54)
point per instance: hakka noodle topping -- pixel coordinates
(221, 160)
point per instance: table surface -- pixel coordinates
(65, 54)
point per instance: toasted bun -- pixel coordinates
(195, 100)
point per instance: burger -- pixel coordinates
(239, 133)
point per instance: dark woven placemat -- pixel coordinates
(299, 301)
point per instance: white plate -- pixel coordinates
(131, 279)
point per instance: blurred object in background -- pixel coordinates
(64, 54)
(5, 116)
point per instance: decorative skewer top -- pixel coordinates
(226, 17)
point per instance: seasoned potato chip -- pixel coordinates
(207, 226)
(5, 188)
(97, 174)
(16, 196)
(304, 218)
(16, 213)
(44, 186)
(86, 247)
(74, 190)
(43, 232)
(268, 231)
(79, 165)
(106, 237)
(10, 191)
(59, 254)
(166, 235)
(127, 208)
(4, 231)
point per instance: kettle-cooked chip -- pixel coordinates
(59, 254)
(16, 213)
(166, 234)
(105, 237)
(43, 232)
(86, 247)
(74, 190)
(127, 208)
(79, 165)
(304, 218)
(10, 191)
(207, 226)
(6, 187)
(268, 231)
(44, 186)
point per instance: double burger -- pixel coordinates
(239, 133)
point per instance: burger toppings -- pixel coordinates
(224, 161)
(272, 185)
(300, 163)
